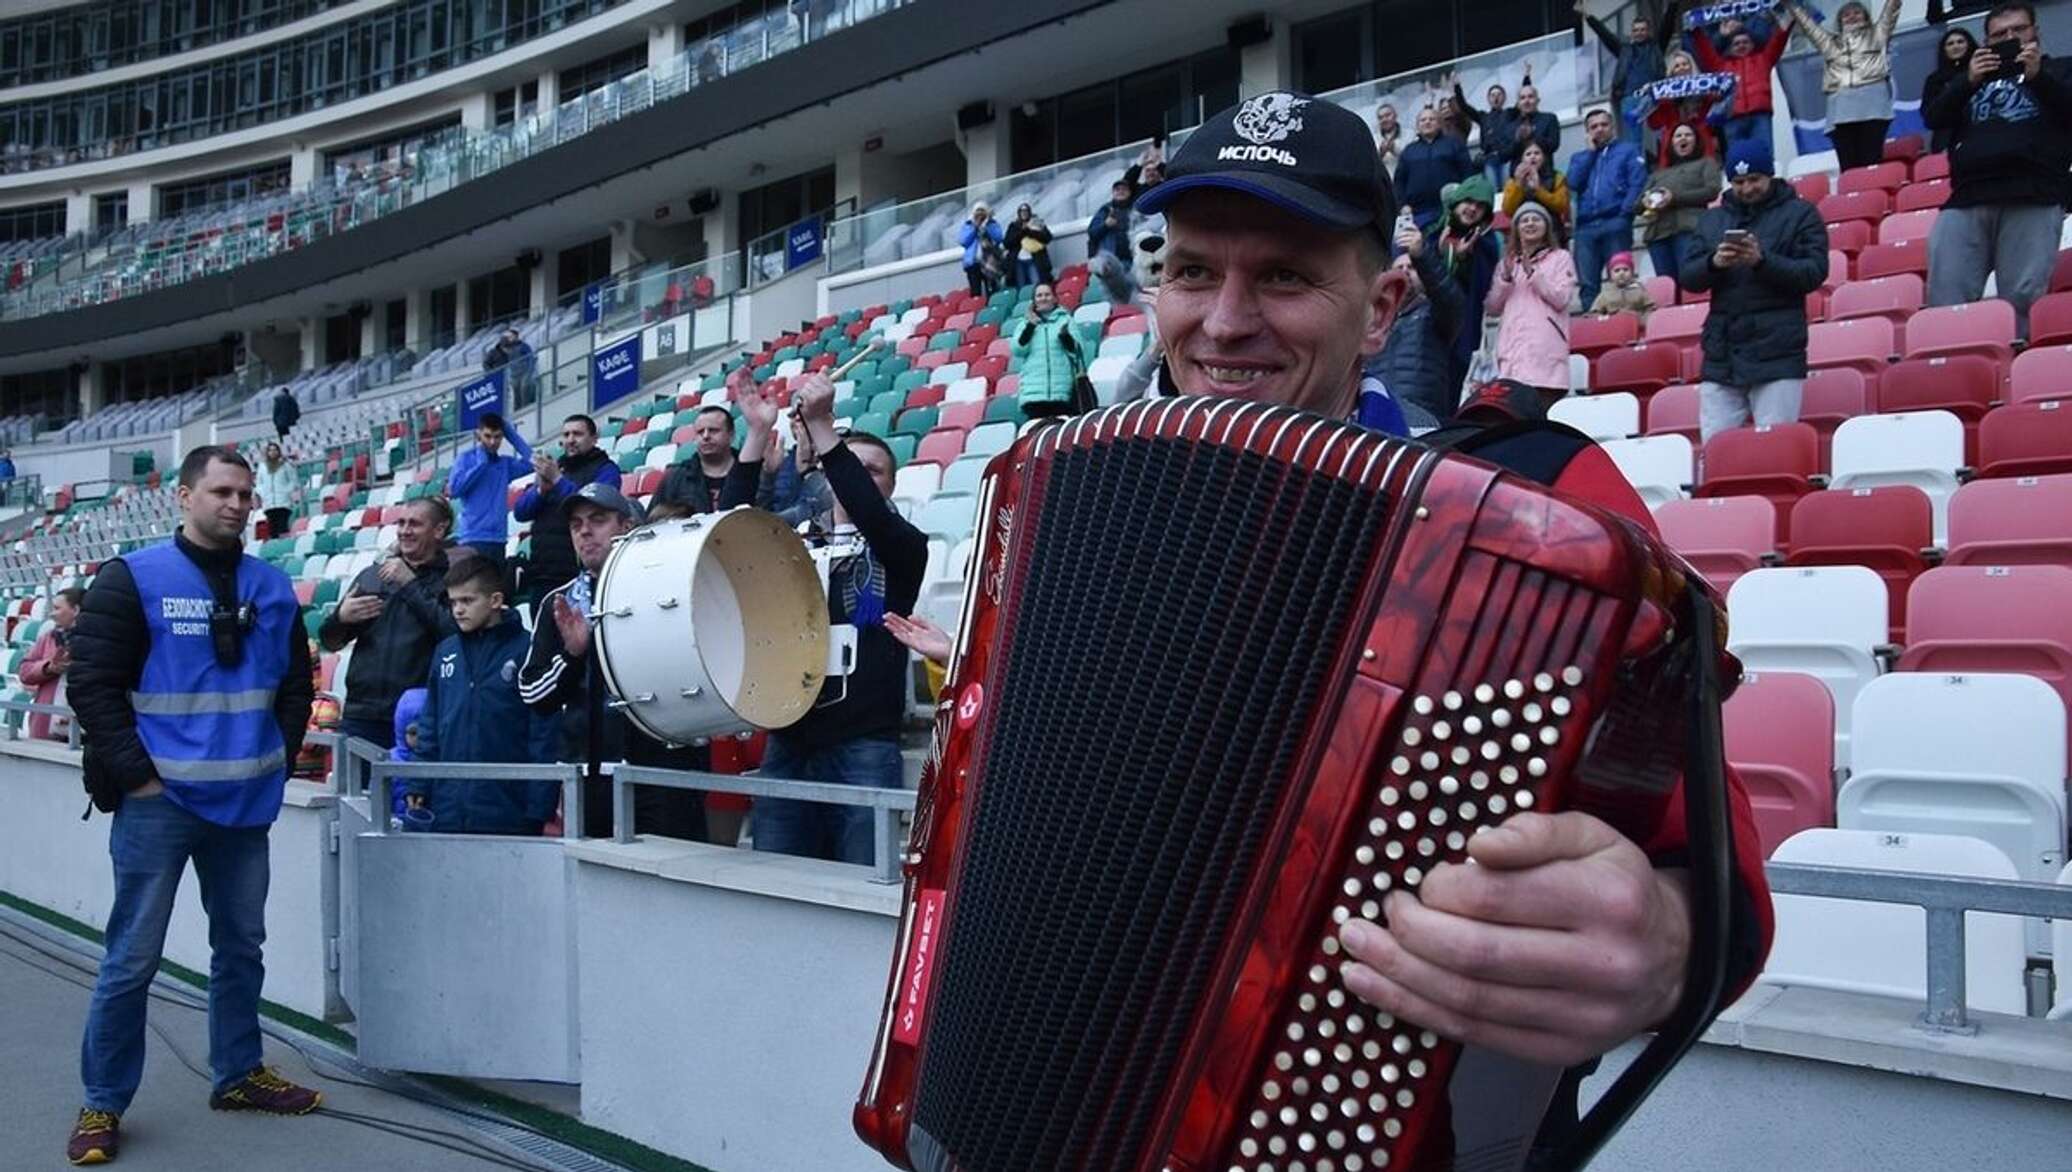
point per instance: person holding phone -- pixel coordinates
(1758, 253)
(2009, 116)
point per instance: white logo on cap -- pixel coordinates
(1269, 118)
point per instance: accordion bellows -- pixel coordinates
(1228, 674)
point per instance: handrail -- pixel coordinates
(884, 804)
(31, 708)
(1945, 899)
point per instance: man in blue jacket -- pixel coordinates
(472, 713)
(1429, 165)
(1605, 181)
(480, 483)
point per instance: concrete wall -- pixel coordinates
(51, 858)
(82, 463)
(730, 1027)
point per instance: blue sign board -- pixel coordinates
(614, 372)
(802, 243)
(484, 396)
(593, 301)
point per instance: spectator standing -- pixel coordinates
(1454, 117)
(1468, 251)
(1537, 180)
(7, 470)
(1050, 357)
(698, 482)
(1640, 52)
(286, 412)
(511, 352)
(851, 737)
(280, 491)
(1496, 123)
(480, 480)
(393, 615)
(1952, 60)
(1534, 285)
(556, 480)
(1606, 180)
(1028, 246)
(1759, 276)
(192, 683)
(50, 657)
(1533, 125)
(1109, 229)
(2011, 122)
(1622, 291)
(1676, 198)
(472, 713)
(979, 231)
(1388, 137)
(1686, 97)
(1431, 163)
(1856, 77)
(1750, 61)
(1416, 363)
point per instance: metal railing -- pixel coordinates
(887, 835)
(15, 732)
(1945, 899)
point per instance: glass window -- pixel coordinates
(1331, 52)
(33, 222)
(1153, 103)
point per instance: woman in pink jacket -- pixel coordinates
(48, 659)
(1535, 283)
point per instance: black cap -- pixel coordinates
(1305, 155)
(610, 499)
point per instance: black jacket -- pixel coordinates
(686, 483)
(1756, 331)
(1416, 364)
(109, 645)
(392, 653)
(286, 413)
(553, 555)
(2010, 142)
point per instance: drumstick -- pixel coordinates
(835, 375)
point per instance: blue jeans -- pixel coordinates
(151, 841)
(1743, 126)
(814, 829)
(1595, 245)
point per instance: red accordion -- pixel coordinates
(1227, 675)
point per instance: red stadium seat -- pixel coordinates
(1886, 529)
(1722, 537)
(1674, 411)
(1965, 385)
(1006, 384)
(968, 353)
(1816, 305)
(2026, 521)
(992, 366)
(1916, 197)
(2026, 439)
(1864, 344)
(2042, 372)
(1883, 260)
(963, 416)
(1677, 323)
(2061, 272)
(1845, 207)
(1780, 741)
(1642, 370)
(1885, 177)
(1693, 296)
(1661, 289)
(1813, 188)
(1900, 227)
(2050, 320)
(305, 588)
(684, 435)
(1837, 270)
(1851, 236)
(1928, 168)
(931, 359)
(1980, 327)
(1967, 619)
(1904, 148)
(984, 335)
(1591, 336)
(927, 395)
(912, 346)
(1832, 396)
(941, 446)
(1893, 298)
(1780, 462)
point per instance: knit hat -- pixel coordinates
(1475, 187)
(1620, 258)
(1532, 208)
(1750, 156)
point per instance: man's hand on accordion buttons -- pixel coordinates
(1558, 943)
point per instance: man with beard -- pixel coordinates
(393, 614)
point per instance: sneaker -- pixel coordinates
(263, 1090)
(94, 1137)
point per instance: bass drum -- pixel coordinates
(712, 624)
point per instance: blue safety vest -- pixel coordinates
(209, 729)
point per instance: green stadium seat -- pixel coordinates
(992, 315)
(946, 340)
(902, 447)
(1004, 407)
(1003, 299)
(916, 421)
(907, 380)
(888, 403)
(875, 422)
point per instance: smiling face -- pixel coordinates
(1531, 229)
(419, 531)
(1642, 31)
(1681, 64)
(1853, 16)
(1427, 123)
(1259, 304)
(1045, 299)
(1468, 213)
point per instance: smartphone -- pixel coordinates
(2007, 51)
(1735, 236)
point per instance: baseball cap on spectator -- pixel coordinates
(1307, 156)
(610, 499)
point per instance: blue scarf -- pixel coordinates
(1726, 10)
(1717, 86)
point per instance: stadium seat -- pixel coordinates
(1780, 733)
(1921, 448)
(1920, 197)
(962, 416)
(2061, 271)
(1578, 373)
(1601, 417)
(1722, 537)
(1883, 260)
(989, 438)
(941, 446)
(1992, 619)
(1591, 335)
(1900, 227)
(1779, 462)
(2025, 521)
(1832, 395)
(947, 515)
(1658, 466)
(1886, 177)
(1682, 324)
(1846, 206)
(1824, 621)
(1813, 188)
(1965, 385)
(2041, 372)
(1849, 238)
(948, 373)
(1674, 411)
(1980, 327)
(1643, 369)
(2050, 322)
(1881, 948)
(1863, 344)
(1895, 298)
(2026, 439)
(1929, 168)
(1887, 529)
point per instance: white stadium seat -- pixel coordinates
(1601, 417)
(947, 515)
(1824, 621)
(1921, 448)
(989, 439)
(916, 482)
(1658, 466)
(966, 390)
(948, 373)
(963, 475)
(1104, 373)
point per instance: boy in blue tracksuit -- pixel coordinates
(472, 713)
(480, 483)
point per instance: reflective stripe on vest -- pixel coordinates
(202, 703)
